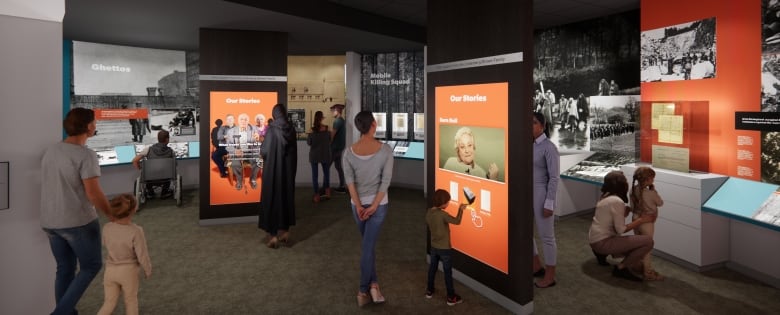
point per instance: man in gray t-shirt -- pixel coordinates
(70, 192)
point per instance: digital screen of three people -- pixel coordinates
(244, 119)
(471, 132)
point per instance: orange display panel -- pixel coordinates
(735, 88)
(471, 132)
(223, 190)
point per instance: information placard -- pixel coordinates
(671, 158)
(419, 126)
(400, 126)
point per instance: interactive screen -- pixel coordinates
(471, 154)
(244, 117)
(135, 92)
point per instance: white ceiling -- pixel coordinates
(174, 24)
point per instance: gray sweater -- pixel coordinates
(371, 174)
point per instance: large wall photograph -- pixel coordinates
(139, 91)
(574, 63)
(588, 88)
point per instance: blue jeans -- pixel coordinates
(445, 255)
(217, 157)
(315, 176)
(71, 247)
(369, 231)
(337, 154)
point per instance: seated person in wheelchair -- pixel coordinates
(243, 145)
(156, 151)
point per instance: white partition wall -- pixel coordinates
(754, 251)
(575, 195)
(31, 72)
(682, 231)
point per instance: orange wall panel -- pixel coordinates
(737, 84)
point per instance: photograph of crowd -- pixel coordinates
(577, 62)
(567, 117)
(613, 132)
(684, 51)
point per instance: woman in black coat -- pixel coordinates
(277, 196)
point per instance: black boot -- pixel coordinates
(602, 259)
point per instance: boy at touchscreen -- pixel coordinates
(439, 221)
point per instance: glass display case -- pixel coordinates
(674, 135)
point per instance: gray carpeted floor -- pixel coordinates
(227, 269)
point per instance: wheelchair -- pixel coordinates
(158, 171)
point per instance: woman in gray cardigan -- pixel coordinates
(368, 168)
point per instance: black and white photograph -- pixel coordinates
(770, 26)
(297, 118)
(162, 82)
(394, 83)
(770, 157)
(613, 133)
(568, 119)
(578, 61)
(684, 51)
(770, 84)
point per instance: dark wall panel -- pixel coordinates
(460, 30)
(244, 53)
(238, 52)
(402, 91)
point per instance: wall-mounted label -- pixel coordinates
(762, 121)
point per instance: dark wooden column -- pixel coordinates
(461, 30)
(247, 56)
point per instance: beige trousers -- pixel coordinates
(120, 279)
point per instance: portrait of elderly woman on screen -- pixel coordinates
(466, 154)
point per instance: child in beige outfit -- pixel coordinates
(645, 201)
(126, 246)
